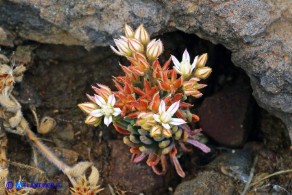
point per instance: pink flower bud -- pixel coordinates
(142, 35)
(203, 72)
(202, 60)
(166, 133)
(91, 120)
(129, 31)
(156, 131)
(145, 120)
(87, 107)
(154, 49)
(123, 48)
(192, 87)
(135, 45)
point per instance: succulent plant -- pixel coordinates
(149, 106)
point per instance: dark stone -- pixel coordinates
(226, 116)
(60, 52)
(134, 178)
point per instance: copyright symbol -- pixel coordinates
(9, 185)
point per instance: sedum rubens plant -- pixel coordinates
(149, 105)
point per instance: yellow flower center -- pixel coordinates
(107, 110)
(185, 68)
(165, 117)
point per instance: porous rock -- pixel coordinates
(207, 183)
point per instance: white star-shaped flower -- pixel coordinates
(165, 117)
(184, 67)
(106, 109)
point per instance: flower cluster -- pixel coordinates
(149, 106)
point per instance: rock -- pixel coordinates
(25, 19)
(53, 73)
(207, 182)
(134, 178)
(234, 163)
(273, 132)
(65, 134)
(6, 38)
(28, 95)
(56, 52)
(226, 116)
(258, 33)
(23, 55)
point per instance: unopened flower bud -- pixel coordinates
(87, 107)
(129, 31)
(123, 47)
(154, 49)
(192, 87)
(103, 90)
(135, 45)
(156, 131)
(203, 72)
(146, 120)
(202, 60)
(91, 120)
(166, 133)
(142, 35)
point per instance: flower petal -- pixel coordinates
(117, 111)
(177, 70)
(177, 121)
(175, 61)
(186, 56)
(107, 120)
(156, 117)
(99, 100)
(194, 63)
(96, 113)
(162, 107)
(110, 119)
(111, 100)
(173, 108)
(116, 51)
(166, 126)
